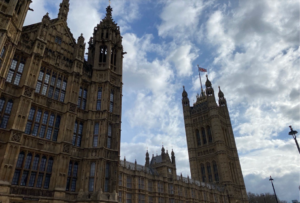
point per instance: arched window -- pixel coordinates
(111, 104)
(99, 97)
(198, 137)
(92, 177)
(209, 134)
(109, 136)
(103, 54)
(96, 134)
(72, 176)
(5, 110)
(113, 59)
(31, 175)
(203, 173)
(209, 172)
(203, 135)
(216, 171)
(81, 103)
(42, 123)
(107, 175)
(77, 135)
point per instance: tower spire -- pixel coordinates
(63, 10)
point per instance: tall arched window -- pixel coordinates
(99, 97)
(111, 99)
(203, 135)
(96, 134)
(107, 175)
(28, 161)
(77, 135)
(216, 171)
(113, 59)
(109, 136)
(92, 177)
(198, 137)
(209, 172)
(103, 54)
(5, 110)
(16, 70)
(72, 176)
(203, 173)
(209, 134)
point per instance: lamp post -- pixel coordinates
(271, 179)
(293, 133)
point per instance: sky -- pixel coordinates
(250, 49)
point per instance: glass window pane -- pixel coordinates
(28, 127)
(64, 85)
(31, 113)
(16, 177)
(78, 141)
(35, 162)
(57, 122)
(45, 117)
(4, 121)
(10, 76)
(42, 131)
(38, 116)
(2, 102)
(75, 170)
(84, 93)
(53, 78)
(51, 120)
(39, 180)
(38, 87)
(44, 90)
(50, 92)
(24, 178)
(95, 141)
(55, 135)
(32, 179)
(13, 64)
(17, 79)
(20, 160)
(47, 181)
(58, 83)
(40, 78)
(49, 133)
(47, 77)
(9, 107)
(96, 129)
(43, 164)
(28, 161)
(62, 96)
(21, 67)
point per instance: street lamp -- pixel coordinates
(293, 133)
(271, 179)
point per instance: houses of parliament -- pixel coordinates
(60, 123)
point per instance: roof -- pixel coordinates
(131, 166)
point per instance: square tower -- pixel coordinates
(211, 145)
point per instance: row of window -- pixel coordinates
(202, 139)
(33, 170)
(208, 172)
(142, 198)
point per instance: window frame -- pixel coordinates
(111, 101)
(72, 176)
(16, 70)
(51, 84)
(99, 99)
(38, 173)
(77, 133)
(82, 98)
(36, 127)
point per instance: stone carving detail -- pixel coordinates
(72, 107)
(16, 137)
(28, 91)
(66, 148)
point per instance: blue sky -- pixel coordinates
(250, 48)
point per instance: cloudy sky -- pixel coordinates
(250, 48)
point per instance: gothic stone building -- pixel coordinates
(60, 123)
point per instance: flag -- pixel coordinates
(202, 69)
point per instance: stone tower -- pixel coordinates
(211, 145)
(60, 114)
(12, 17)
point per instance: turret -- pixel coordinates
(185, 99)
(64, 10)
(222, 100)
(173, 157)
(147, 159)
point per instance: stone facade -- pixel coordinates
(60, 115)
(60, 122)
(212, 150)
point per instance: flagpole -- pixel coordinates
(200, 80)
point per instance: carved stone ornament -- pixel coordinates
(28, 91)
(16, 137)
(72, 107)
(66, 148)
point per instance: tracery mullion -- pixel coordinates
(47, 71)
(14, 74)
(53, 127)
(47, 125)
(36, 175)
(30, 168)
(44, 172)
